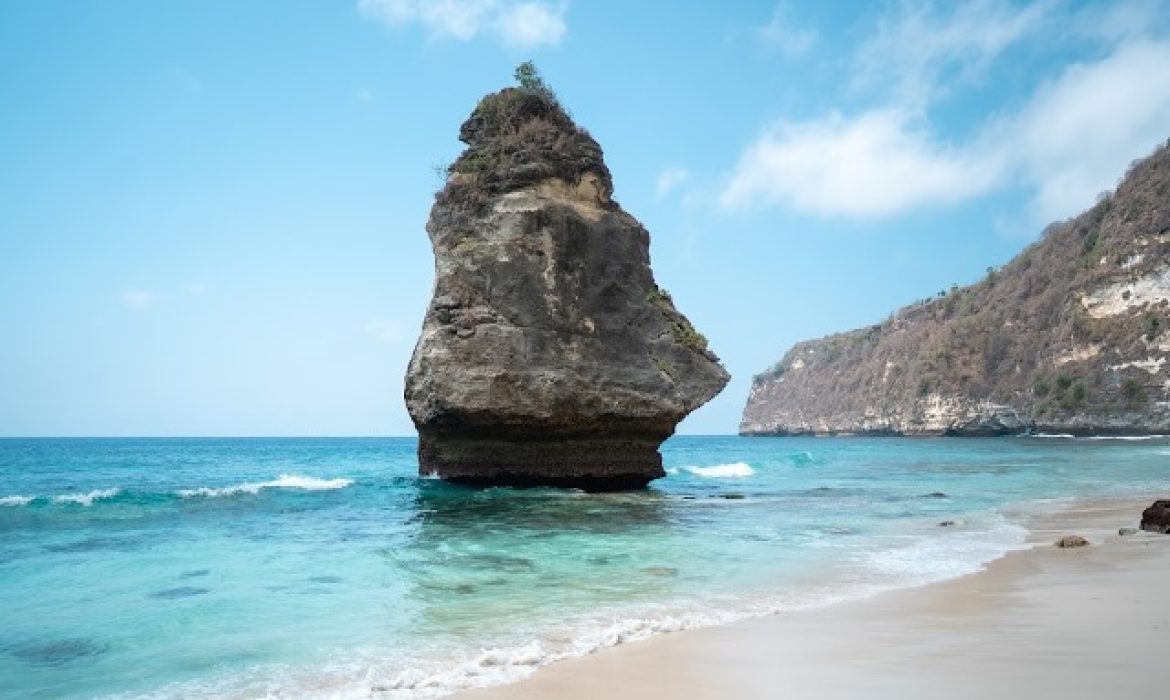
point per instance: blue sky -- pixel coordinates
(211, 212)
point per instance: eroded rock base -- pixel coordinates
(590, 464)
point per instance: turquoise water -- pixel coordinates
(327, 568)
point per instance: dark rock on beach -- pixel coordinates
(548, 354)
(1156, 518)
(1071, 542)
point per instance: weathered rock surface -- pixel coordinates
(1071, 542)
(548, 355)
(1071, 336)
(1156, 518)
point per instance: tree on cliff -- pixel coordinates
(530, 80)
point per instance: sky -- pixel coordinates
(212, 211)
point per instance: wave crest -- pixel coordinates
(86, 499)
(722, 471)
(284, 481)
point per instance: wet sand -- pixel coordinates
(1043, 622)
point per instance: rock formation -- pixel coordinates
(548, 355)
(1156, 518)
(1071, 336)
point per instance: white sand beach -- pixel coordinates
(1043, 622)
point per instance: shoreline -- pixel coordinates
(1082, 622)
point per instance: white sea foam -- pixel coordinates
(16, 500)
(284, 481)
(1061, 436)
(919, 559)
(86, 499)
(722, 471)
(1136, 438)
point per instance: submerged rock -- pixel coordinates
(548, 355)
(1156, 518)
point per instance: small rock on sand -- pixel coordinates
(1127, 531)
(1071, 541)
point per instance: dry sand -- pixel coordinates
(1091, 622)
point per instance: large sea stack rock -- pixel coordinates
(548, 355)
(1072, 336)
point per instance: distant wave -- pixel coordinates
(1128, 437)
(86, 499)
(722, 471)
(1069, 436)
(80, 499)
(284, 481)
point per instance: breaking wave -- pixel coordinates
(722, 471)
(79, 499)
(284, 481)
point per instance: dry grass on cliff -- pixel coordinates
(1013, 338)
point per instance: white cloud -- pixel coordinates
(1069, 140)
(918, 54)
(668, 180)
(1079, 132)
(1115, 21)
(523, 24)
(869, 166)
(384, 331)
(528, 24)
(784, 37)
(138, 298)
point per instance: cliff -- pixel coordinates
(1071, 336)
(548, 355)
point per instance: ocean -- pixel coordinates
(187, 568)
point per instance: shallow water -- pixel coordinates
(326, 567)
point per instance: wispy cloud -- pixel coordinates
(1070, 139)
(668, 180)
(782, 35)
(517, 24)
(868, 166)
(528, 24)
(919, 53)
(1079, 132)
(384, 331)
(137, 298)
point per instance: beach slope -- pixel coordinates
(1071, 623)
